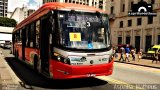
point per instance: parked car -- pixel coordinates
(1, 45)
(153, 49)
(7, 44)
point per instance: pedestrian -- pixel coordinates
(127, 50)
(140, 55)
(133, 53)
(116, 54)
(155, 56)
(122, 51)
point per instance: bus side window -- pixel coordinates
(32, 36)
(28, 36)
(37, 33)
(18, 36)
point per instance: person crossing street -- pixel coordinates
(127, 50)
(122, 51)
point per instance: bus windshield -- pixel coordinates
(84, 30)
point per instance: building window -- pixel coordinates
(121, 24)
(123, 8)
(139, 21)
(129, 23)
(128, 38)
(119, 40)
(131, 5)
(152, 1)
(150, 19)
(95, 3)
(112, 9)
(101, 4)
(66, 0)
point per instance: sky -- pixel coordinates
(31, 4)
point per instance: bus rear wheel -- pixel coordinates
(17, 54)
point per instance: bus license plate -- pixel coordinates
(91, 75)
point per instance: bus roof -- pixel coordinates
(53, 6)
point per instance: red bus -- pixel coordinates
(64, 41)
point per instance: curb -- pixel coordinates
(139, 64)
(14, 78)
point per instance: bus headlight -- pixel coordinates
(58, 58)
(66, 61)
(62, 59)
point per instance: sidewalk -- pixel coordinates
(8, 79)
(142, 62)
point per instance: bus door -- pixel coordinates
(44, 45)
(23, 43)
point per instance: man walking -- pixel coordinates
(122, 51)
(127, 50)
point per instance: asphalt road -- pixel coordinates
(123, 75)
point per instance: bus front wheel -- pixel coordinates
(36, 65)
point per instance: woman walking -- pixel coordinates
(133, 53)
(139, 55)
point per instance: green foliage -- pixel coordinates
(7, 22)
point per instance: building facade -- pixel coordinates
(139, 31)
(96, 3)
(3, 8)
(20, 14)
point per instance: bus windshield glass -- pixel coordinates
(84, 30)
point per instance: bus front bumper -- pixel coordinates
(59, 70)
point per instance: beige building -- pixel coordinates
(20, 14)
(139, 31)
(96, 3)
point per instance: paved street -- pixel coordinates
(124, 74)
(136, 74)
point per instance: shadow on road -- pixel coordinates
(30, 77)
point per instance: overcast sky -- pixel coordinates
(31, 4)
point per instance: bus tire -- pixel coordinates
(36, 63)
(17, 54)
(13, 52)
